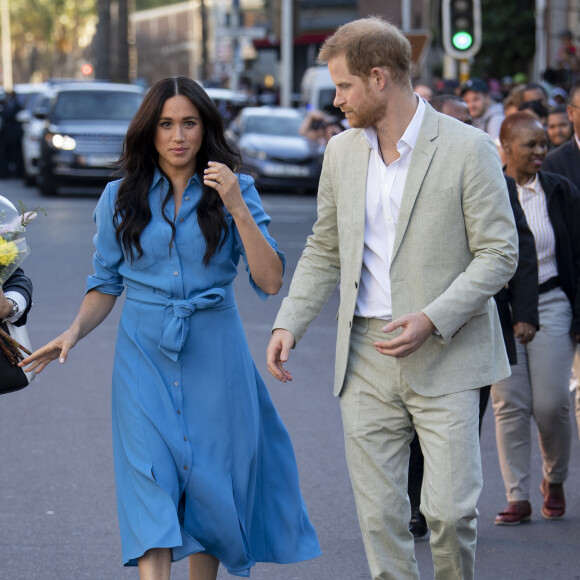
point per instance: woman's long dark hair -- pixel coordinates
(140, 159)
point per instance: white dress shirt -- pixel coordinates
(533, 201)
(384, 193)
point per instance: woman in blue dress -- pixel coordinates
(204, 466)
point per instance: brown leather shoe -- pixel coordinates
(517, 512)
(554, 506)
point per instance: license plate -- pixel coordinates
(99, 160)
(286, 170)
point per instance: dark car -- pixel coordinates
(273, 151)
(85, 125)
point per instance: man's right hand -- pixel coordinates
(278, 352)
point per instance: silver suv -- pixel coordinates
(84, 128)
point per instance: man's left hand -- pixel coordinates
(416, 330)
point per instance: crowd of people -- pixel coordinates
(459, 280)
(538, 139)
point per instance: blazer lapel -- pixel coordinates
(357, 182)
(422, 156)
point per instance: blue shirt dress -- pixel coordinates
(203, 462)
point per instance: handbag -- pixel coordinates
(14, 345)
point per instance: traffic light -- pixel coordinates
(461, 27)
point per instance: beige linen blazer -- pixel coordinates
(455, 247)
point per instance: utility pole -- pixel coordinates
(237, 60)
(287, 33)
(122, 73)
(540, 60)
(205, 74)
(102, 42)
(405, 15)
(6, 46)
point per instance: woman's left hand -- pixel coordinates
(524, 331)
(225, 182)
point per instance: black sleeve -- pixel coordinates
(22, 284)
(523, 287)
(574, 220)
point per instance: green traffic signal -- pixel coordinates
(462, 40)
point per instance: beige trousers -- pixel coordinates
(379, 412)
(538, 387)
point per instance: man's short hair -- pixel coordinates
(572, 93)
(438, 101)
(476, 85)
(536, 87)
(368, 43)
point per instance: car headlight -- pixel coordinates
(257, 154)
(59, 141)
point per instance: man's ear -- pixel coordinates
(379, 76)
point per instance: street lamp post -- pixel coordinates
(6, 46)
(287, 56)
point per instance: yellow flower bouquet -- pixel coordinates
(13, 246)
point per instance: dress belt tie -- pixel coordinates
(177, 313)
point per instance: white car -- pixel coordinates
(31, 96)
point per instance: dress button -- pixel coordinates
(187, 199)
(178, 411)
(181, 220)
(176, 273)
(176, 384)
(185, 467)
(185, 438)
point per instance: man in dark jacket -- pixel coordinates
(565, 160)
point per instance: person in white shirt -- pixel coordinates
(414, 220)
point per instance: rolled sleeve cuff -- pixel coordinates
(21, 303)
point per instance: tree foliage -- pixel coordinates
(508, 46)
(145, 4)
(49, 36)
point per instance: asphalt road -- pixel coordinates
(57, 498)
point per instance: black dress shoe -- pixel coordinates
(418, 524)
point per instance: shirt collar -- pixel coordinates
(158, 176)
(532, 183)
(411, 133)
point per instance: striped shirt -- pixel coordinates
(533, 201)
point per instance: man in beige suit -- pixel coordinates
(414, 220)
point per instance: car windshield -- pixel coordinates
(273, 125)
(97, 105)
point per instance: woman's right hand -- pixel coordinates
(57, 348)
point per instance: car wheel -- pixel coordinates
(29, 180)
(47, 186)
